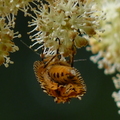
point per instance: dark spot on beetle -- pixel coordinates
(54, 75)
(62, 74)
(57, 75)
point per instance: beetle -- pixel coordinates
(59, 79)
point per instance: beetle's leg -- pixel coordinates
(57, 54)
(46, 64)
(42, 55)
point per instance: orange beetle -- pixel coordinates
(59, 79)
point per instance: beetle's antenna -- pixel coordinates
(80, 60)
(29, 47)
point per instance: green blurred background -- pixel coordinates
(21, 97)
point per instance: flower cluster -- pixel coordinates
(8, 11)
(64, 24)
(59, 24)
(6, 43)
(107, 51)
